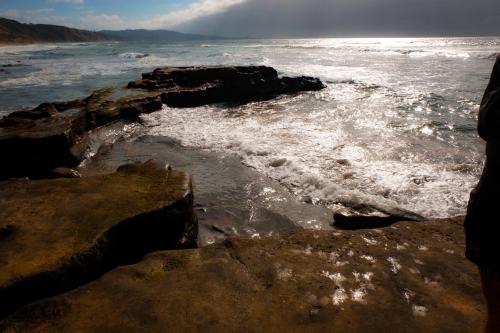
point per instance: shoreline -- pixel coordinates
(124, 238)
(251, 38)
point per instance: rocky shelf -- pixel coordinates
(33, 142)
(58, 234)
(409, 277)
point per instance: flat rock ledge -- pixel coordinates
(58, 234)
(52, 135)
(410, 277)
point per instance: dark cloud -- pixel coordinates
(322, 18)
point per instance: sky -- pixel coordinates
(270, 18)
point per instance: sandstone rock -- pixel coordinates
(36, 141)
(57, 234)
(406, 278)
(44, 110)
(32, 148)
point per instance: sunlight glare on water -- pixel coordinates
(396, 125)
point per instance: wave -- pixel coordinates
(13, 50)
(223, 54)
(67, 72)
(316, 157)
(421, 52)
(41, 78)
(133, 55)
(488, 56)
(290, 47)
(342, 81)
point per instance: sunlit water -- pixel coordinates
(394, 127)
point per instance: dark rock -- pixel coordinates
(7, 231)
(278, 162)
(32, 148)
(311, 281)
(11, 65)
(350, 219)
(369, 217)
(307, 199)
(44, 110)
(208, 94)
(343, 162)
(197, 76)
(33, 142)
(221, 230)
(195, 86)
(58, 234)
(63, 173)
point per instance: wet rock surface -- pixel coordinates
(410, 277)
(52, 135)
(370, 217)
(58, 234)
(231, 199)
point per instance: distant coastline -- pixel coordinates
(15, 33)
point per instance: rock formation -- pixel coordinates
(60, 233)
(363, 216)
(76, 245)
(221, 84)
(406, 278)
(52, 135)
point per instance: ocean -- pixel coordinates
(395, 127)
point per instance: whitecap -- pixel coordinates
(339, 296)
(133, 55)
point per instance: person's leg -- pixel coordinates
(491, 289)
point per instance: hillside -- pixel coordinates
(13, 32)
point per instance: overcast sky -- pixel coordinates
(270, 18)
